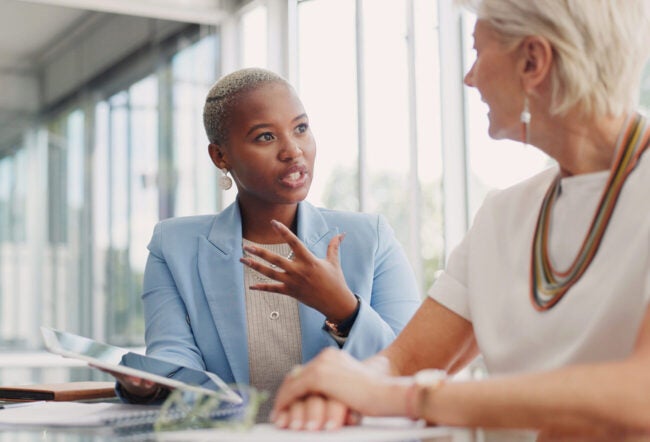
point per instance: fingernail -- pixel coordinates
(281, 420)
(295, 424)
(311, 425)
(275, 223)
(250, 249)
(330, 425)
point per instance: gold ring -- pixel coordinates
(295, 371)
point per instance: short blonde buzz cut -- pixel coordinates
(223, 97)
(600, 47)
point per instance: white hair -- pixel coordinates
(224, 94)
(600, 47)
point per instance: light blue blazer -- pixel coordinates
(193, 294)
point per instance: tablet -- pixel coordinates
(120, 360)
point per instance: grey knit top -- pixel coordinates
(273, 326)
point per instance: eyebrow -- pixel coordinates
(264, 125)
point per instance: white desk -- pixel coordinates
(90, 422)
(372, 430)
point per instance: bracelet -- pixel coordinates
(342, 329)
(425, 383)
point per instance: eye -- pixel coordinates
(266, 136)
(302, 128)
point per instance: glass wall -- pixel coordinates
(14, 276)
(80, 195)
(152, 163)
(374, 115)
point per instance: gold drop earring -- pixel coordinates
(225, 182)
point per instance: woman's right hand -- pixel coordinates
(318, 283)
(136, 386)
(336, 389)
(315, 413)
(133, 385)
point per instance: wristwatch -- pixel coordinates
(425, 383)
(342, 329)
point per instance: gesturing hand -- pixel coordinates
(318, 283)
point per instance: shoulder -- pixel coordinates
(180, 233)
(357, 223)
(362, 230)
(520, 195)
(186, 225)
(351, 218)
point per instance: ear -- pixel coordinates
(217, 156)
(537, 59)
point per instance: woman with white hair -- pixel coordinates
(552, 283)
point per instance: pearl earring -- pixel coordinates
(225, 182)
(524, 117)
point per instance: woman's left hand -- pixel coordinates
(318, 283)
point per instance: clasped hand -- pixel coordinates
(335, 389)
(318, 283)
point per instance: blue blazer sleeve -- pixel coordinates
(393, 300)
(168, 333)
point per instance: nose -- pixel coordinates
(469, 77)
(290, 150)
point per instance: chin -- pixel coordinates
(295, 197)
(493, 133)
(497, 133)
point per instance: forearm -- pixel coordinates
(435, 337)
(566, 400)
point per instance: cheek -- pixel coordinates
(309, 149)
(249, 174)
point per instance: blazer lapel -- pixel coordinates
(316, 234)
(222, 276)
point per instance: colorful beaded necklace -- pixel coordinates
(547, 285)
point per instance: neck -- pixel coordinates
(256, 221)
(580, 145)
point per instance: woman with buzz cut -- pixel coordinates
(271, 280)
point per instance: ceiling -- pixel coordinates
(30, 29)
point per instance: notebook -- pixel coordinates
(120, 360)
(68, 391)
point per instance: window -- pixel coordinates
(253, 44)
(194, 70)
(128, 160)
(14, 271)
(374, 115)
(102, 171)
(152, 163)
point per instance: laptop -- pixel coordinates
(120, 360)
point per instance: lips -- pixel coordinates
(295, 176)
